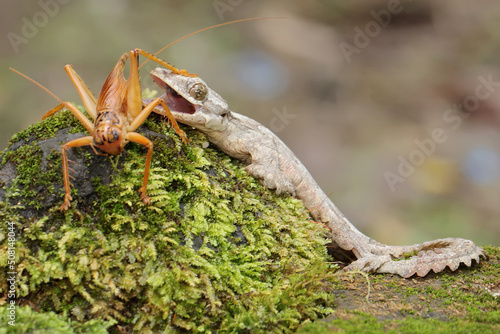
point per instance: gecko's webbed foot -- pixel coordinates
(420, 259)
(271, 178)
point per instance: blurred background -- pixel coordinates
(394, 106)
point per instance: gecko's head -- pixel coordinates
(191, 101)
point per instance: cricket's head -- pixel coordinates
(109, 135)
(191, 101)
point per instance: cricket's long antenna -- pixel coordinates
(36, 83)
(211, 27)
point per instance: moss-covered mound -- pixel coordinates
(215, 251)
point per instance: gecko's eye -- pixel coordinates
(198, 91)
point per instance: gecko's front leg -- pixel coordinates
(265, 162)
(270, 178)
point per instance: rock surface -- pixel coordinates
(215, 251)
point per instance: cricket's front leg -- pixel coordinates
(165, 112)
(84, 141)
(138, 138)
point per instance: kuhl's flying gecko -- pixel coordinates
(193, 103)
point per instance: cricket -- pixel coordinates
(117, 112)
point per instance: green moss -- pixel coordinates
(215, 251)
(28, 161)
(29, 321)
(447, 302)
(48, 128)
(364, 323)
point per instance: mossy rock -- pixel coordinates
(215, 251)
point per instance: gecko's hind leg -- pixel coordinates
(433, 255)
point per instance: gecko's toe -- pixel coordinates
(435, 256)
(432, 256)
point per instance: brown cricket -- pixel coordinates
(118, 110)
(116, 114)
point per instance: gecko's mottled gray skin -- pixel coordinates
(193, 103)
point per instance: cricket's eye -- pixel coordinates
(198, 91)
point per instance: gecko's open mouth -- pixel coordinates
(190, 100)
(174, 101)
